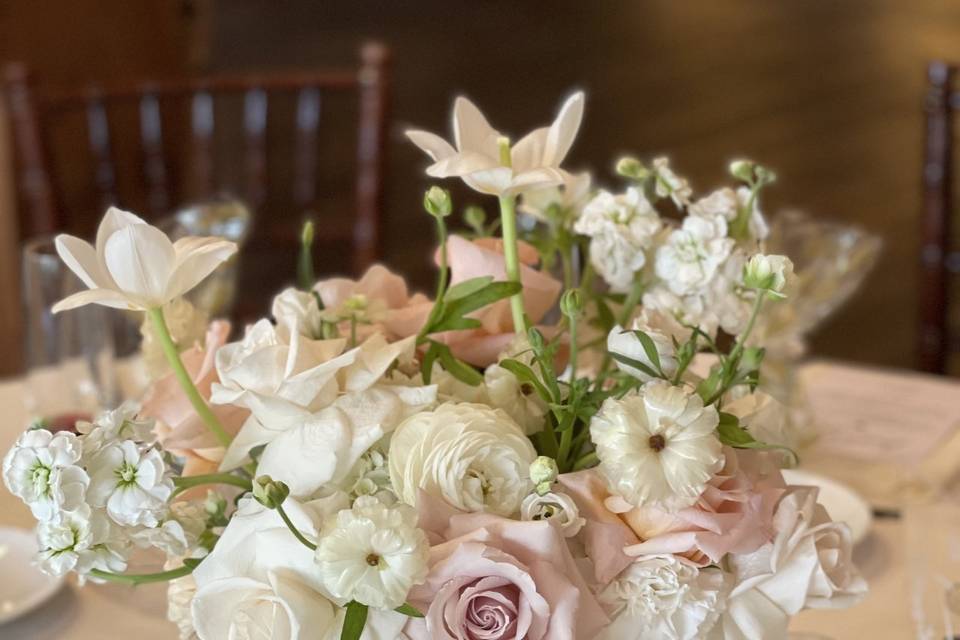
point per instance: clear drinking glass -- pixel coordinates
(69, 355)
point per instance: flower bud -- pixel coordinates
(571, 303)
(269, 492)
(306, 235)
(767, 273)
(543, 471)
(631, 168)
(764, 175)
(437, 202)
(475, 217)
(742, 170)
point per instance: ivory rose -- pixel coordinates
(492, 578)
(733, 515)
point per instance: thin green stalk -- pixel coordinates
(180, 372)
(143, 578)
(754, 314)
(293, 529)
(442, 281)
(587, 460)
(573, 346)
(511, 256)
(188, 482)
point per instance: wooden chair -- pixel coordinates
(939, 258)
(42, 209)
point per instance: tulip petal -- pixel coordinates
(563, 130)
(141, 259)
(471, 130)
(535, 179)
(528, 153)
(114, 220)
(463, 163)
(431, 144)
(82, 259)
(196, 258)
(106, 297)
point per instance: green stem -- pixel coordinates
(188, 482)
(293, 529)
(588, 460)
(511, 256)
(143, 578)
(754, 314)
(573, 347)
(441, 281)
(180, 372)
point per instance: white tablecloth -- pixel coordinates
(112, 611)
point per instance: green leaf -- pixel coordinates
(732, 434)
(525, 374)
(426, 365)
(466, 288)
(650, 348)
(452, 316)
(457, 368)
(354, 621)
(408, 609)
(636, 364)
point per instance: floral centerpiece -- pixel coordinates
(522, 456)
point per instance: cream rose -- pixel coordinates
(473, 457)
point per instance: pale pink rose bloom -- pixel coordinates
(492, 578)
(178, 428)
(484, 257)
(396, 312)
(733, 515)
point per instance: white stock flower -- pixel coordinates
(728, 203)
(807, 565)
(298, 311)
(725, 302)
(122, 423)
(79, 541)
(519, 399)
(178, 534)
(667, 184)
(558, 508)
(657, 445)
(474, 457)
(662, 328)
(663, 597)
(130, 483)
(621, 229)
(692, 254)
(135, 266)
(187, 326)
(534, 160)
(568, 198)
(372, 553)
(42, 470)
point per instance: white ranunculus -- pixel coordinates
(372, 553)
(135, 266)
(767, 272)
(657, 445)
(558, 508)
(474, 457)
(693, 254)
(80, 540)
(534, 160)
(42, 469)
(296, 310)
(668, 184)
(663, 598)
(662, 328)
(131, 483)
(807, 565)
(317, 449)
(519, 399)
(621, 229)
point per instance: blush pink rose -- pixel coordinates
(733, 515)
(178, 428)
(484, 257)
(492, 578)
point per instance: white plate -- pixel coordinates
(841, 502)
(23, 587)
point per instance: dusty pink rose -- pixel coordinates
(734, 515)
(392, 309)
(492, 578)
(179, 429)
(484, 257)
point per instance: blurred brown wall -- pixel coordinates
(828, 93)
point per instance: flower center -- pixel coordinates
(657, 442)
(126, 474)
(40, 478)
(373, 560)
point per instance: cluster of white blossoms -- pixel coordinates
(99, 494)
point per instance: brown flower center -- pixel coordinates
(373, 560)
(657, 443)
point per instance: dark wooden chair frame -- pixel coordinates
(40, 210)
(939, 260)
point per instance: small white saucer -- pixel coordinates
(23, 587)
(841, 502)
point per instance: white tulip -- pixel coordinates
(299, 311)
(534, 160)
(657, 446)
(662, 328)
(135, 265)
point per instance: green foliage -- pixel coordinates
(354, 621)
(732, 434)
